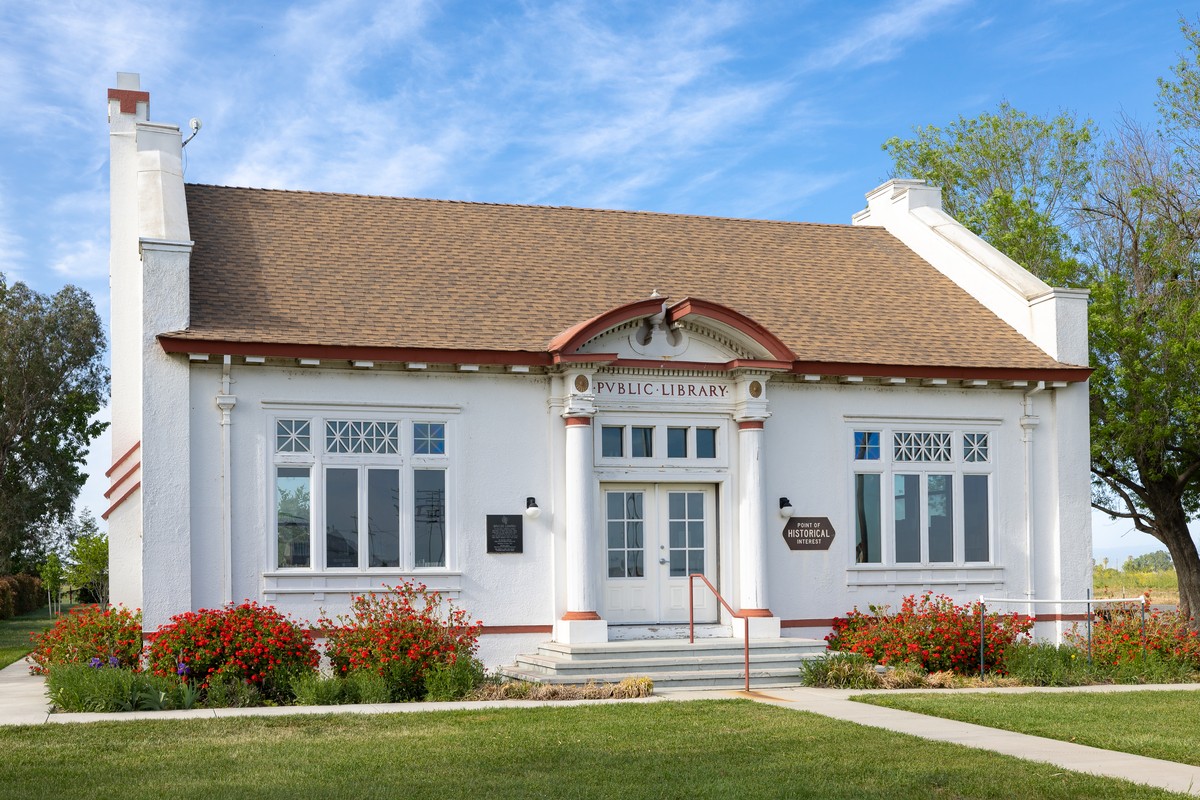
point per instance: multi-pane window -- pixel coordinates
(626, 519)
(361, 437)
(922, 497)
(358, 497)
(685, 524)
(429, 438)
(677, 442)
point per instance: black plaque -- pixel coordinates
(504, 534)
(808, 533)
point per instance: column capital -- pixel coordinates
(580, 400)
(750, 397)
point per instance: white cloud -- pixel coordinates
(881, 37)
(61, 55)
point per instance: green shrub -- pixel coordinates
(19, 594)
(400, 636)
(81, 687)
(86, 633)
(230, 691)
(444, 682)
(839, 671)
(314, 689)
(365, 686)
(1046, 664)
(1155, 668)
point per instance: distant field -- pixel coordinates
(1116, 583)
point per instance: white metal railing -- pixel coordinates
(1089, 601)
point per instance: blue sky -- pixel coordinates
(768, 109)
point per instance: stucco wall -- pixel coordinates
(505, 449)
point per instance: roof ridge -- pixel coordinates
(536, 206)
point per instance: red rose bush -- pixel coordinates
(931, 632)
(410, 636)
(246, 643)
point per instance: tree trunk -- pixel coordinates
(1170, 528)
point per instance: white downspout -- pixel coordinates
(226, 402)
(1028, 423)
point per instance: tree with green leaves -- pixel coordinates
(89, 565)
(1012, 178)
(1127, 226)
(1158, 561)
(1141, 232)
(52, 383)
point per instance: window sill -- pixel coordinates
(947, 575)
(319, 584)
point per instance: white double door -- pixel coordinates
(655, 535)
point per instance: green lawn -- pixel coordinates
(1156, 724)
(14, 634)
(725, 749)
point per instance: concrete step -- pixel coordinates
(651, 666)
(712, 678)
(670, 663)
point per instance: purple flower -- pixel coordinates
(114, 662)
(183, 669)
(95, 663)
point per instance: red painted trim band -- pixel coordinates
(577, 421)
(175, 343)
(121, 460)
(129, 99)
(839, 368)
(755, 612)
(172, 343)
(572, 616)
(750, 425)
(121, 500)
(122, 479)
(489, 630)
(806, 623)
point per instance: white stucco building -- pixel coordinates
(315, 395)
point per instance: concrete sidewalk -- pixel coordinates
(834, 703)
(23, 702)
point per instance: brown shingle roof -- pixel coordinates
(346, 270)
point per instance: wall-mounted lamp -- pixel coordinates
(785, 507)
(531, 508)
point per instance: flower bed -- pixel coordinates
(930, 632)
(415, 639)
(246, 643)
(1117, 637)
(405, 644)
(90, 635)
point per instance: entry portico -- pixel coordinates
(664, 416)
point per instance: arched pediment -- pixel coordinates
(690, 330)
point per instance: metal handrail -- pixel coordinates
(729, 608)
(1090, 601)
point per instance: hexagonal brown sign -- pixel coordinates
(808, 533)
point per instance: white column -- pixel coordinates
(753, 599)
(581, 598)
(580, 622)
(751, 518)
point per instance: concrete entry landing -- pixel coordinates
(671, 663)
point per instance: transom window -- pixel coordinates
(360, 436)
(363, 499)
(922, 497)
(664, 443)
(292, 436)
(921, 446)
